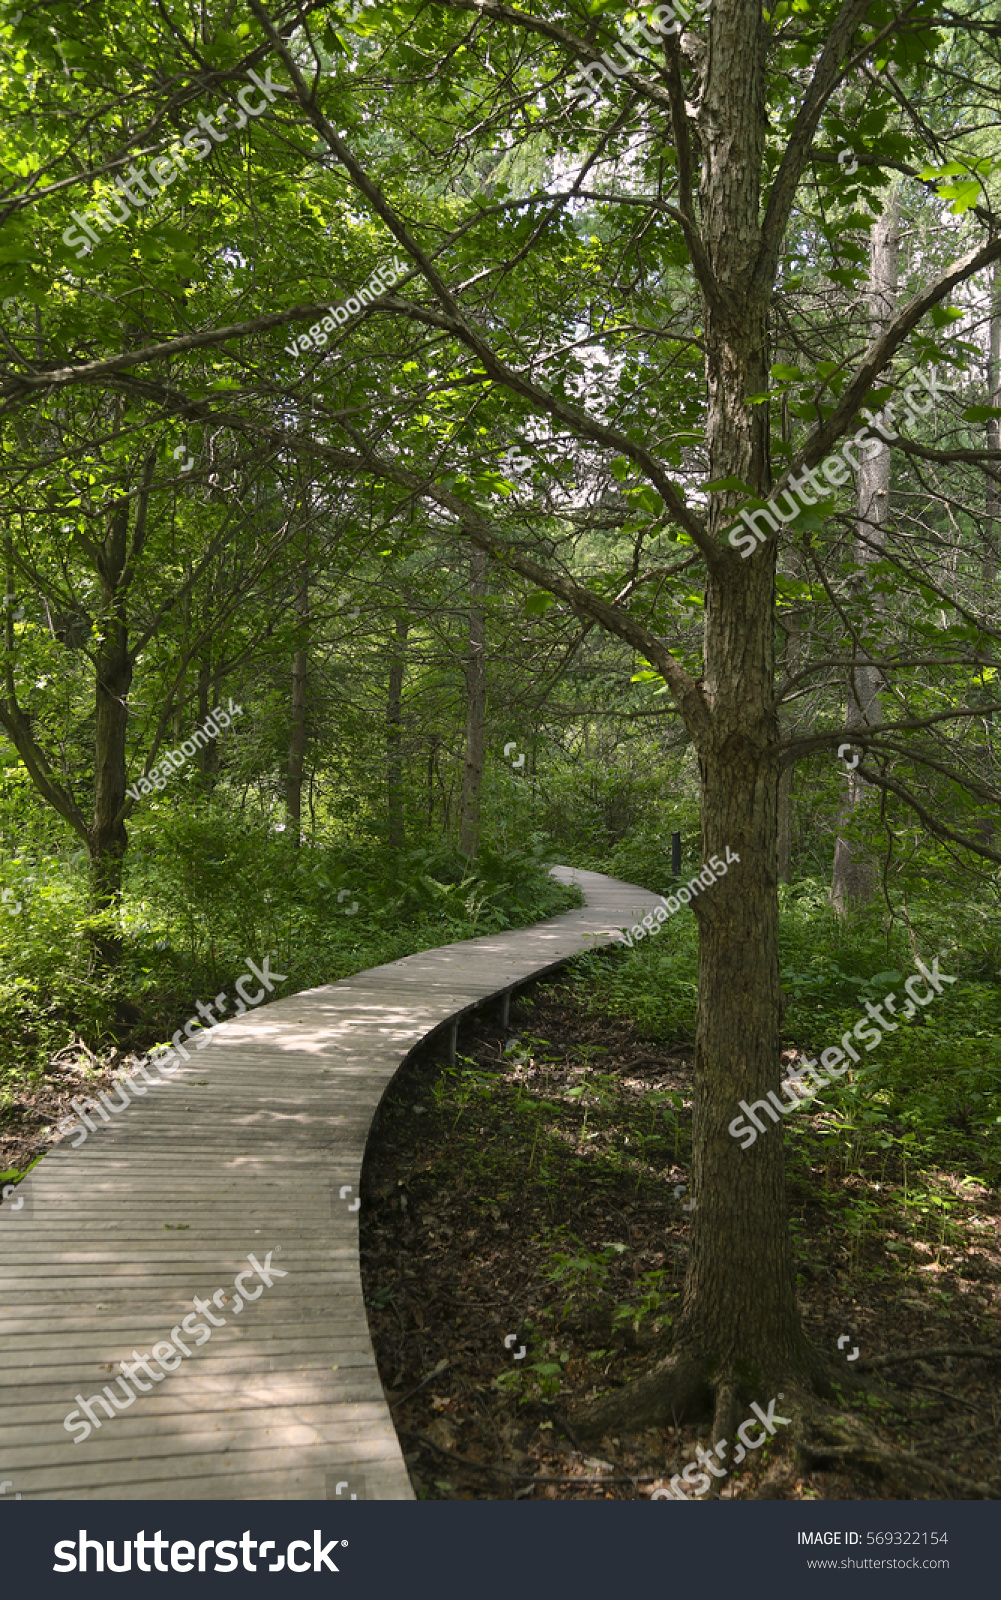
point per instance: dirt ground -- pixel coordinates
(29, 1126)
(524, 1239)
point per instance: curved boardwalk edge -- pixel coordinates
(215, 1221)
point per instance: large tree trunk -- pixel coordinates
(297, 738)
(855, 878)
(476, 707)
(740, 1325)
(394, 738)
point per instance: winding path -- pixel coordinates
(244, 1152)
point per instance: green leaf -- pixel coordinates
(726, 486)
(648, 499)
(963, 195)
(847, 277)
(334, 43)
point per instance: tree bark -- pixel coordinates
(396, 831)
(855, 877)
(476, 707)
(993, 499)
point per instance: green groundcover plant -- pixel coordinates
(204, 885)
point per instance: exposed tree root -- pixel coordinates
(684, 1385)
(982, 1352)
(846, 1441)
(680, 1386)
(912, 1471)
(724, 1418)
(677, 1387)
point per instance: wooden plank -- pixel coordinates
(167, 1200)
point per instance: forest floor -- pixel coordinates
(524, 1239)
(34, 1109)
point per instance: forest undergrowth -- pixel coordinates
(203, 893)
(538, 1189)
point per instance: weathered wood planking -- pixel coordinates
(166, 1201)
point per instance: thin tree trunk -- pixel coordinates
(984, 827)
(394, 738)
(9, 594)
(297, 739)
(738, 1321)
(208, 754)
(180, 711)
(107, 838)
(476, 707)
(785, 825)
(793, 625)
(855, 876)
(990, 565)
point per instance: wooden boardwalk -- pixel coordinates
(244, 1152)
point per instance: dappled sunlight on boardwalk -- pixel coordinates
(141, 1237)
